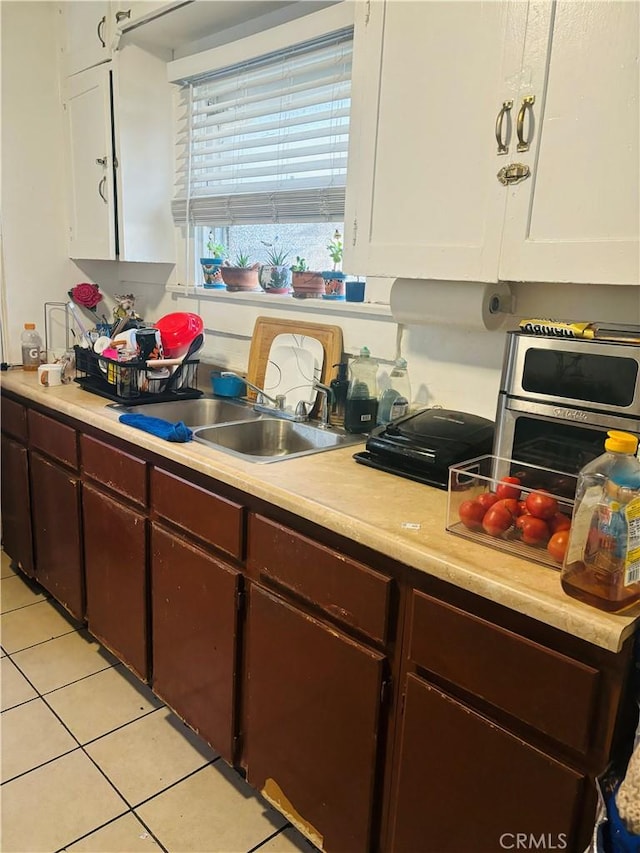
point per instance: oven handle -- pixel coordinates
(571, 414)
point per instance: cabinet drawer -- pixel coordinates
(114, 469)
(14, 419)
(539, 686)
(53, 438)
(343, 588)
(208, 516)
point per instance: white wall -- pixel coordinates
(451, 367)
(36, 266)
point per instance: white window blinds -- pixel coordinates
(267, 141)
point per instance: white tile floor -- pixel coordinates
(92, 761)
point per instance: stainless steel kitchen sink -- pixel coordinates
(272, 439)
(196, 413)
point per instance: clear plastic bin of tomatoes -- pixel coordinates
(521, 508)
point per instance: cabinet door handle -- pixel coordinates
(503, 147)
(527, 103)
(513, 174)
(102, 183)
(101, 161)
(121, 16)
(99, 30)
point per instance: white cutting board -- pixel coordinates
(293, 364)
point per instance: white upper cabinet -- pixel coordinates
(120, 164)
(91, 205)
(448, 95)
(578, 217)
(86, 28)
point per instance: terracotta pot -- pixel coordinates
(308, 285)
(241, 278)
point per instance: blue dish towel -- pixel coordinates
(157, 426)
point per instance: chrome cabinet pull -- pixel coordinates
(101, 25)
(527, 103)
(121, 16)
(102, 183)
(513, 174)
(503, 147)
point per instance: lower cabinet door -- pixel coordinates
(16, 505)
(195, 627)
(55, 506)
(464, 783)
(311, 727)
(115, 556)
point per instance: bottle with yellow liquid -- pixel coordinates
(602, 563)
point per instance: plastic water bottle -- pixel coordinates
(31, 347)
(602, 563)
(396, 397)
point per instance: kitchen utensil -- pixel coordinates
(194, 346)
(177, 331)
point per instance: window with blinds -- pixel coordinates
(266, 141)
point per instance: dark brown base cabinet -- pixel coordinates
(380, 709)
(195, 600)
(467, 784)
(313, 700)
(16, 504)
(115, 556)
(55, 505)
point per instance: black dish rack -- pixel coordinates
(131, 381)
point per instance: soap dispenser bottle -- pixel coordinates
(362, 400)
(339, 387)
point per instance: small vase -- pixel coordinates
(211, 273)
(333, 284)
(275, 279)
(307, 285)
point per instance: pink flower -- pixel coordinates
(87, 295)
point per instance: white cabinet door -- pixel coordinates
(577, 217)
(87, 106)
(136, 12)
(86, 29)
(422, 198)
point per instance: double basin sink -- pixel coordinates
(233, 427)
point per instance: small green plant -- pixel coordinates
(300, 265)
(216, 250)
(335, 249)
(276, 257)
(242, 260)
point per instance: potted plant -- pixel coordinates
(275, 276)
(306, 283)
(334, 279)
(212, 263)
(242, 275)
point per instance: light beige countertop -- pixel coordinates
(395, 516)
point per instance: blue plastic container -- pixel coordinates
(227, 386)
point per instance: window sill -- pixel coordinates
(286, 302)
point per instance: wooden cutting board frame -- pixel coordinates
(266, 329)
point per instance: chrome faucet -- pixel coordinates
(278, 401)
(327, 395)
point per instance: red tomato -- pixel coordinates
(510, 504)
(534, 530)
(541, 504)
(522, 508)
(486, 499)
(497, 520)
(559, 522)
(471, 514)
(508, 488)
(557, 545)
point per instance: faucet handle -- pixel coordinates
(303, 409)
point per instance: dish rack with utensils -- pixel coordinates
(123, 381)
